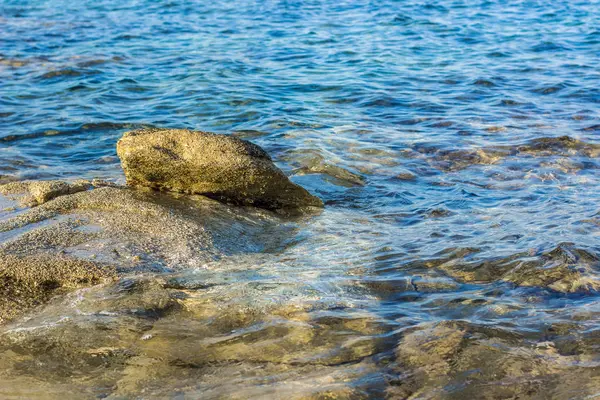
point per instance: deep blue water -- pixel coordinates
(455, 143)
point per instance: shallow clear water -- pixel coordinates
(453, 142)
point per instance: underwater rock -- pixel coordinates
(451, 160)
(459, 360)
(13, 62)
(217, 166)
(313, 162)
(564, 269)
(139, 335)
(29, 281)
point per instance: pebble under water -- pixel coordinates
(454, 143)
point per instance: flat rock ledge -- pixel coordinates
(56, 237)
(221, 167)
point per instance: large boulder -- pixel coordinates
(217, 166)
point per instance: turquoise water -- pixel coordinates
(455, 144)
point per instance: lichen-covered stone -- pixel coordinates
(217, 166)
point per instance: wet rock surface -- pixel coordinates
(116, 292)
(35, 192)
(119, 292)
(457, 360)
(140, 335)
(218, 166)
(31, 280)
(77, 234)
(38, 192)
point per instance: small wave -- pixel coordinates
(484, 82)
(402, 19)
(549, 89)
(67, 72)
(548, 47)
(90, 127)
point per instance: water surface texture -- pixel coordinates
(455, 144)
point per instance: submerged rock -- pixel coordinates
(29, 281)
(310, 161)
(140, 335)
(217, 166)
(461, 360)
(450, 160)
(564, 269)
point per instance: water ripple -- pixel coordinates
(454, 143)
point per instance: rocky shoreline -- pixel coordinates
(203, 283)
(58, 236)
